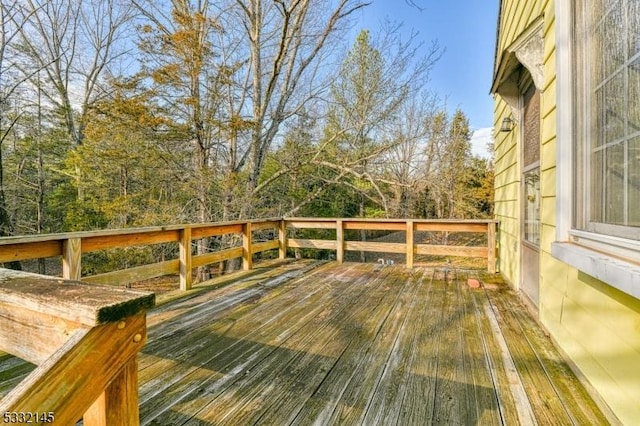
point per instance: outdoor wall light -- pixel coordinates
(507, 125)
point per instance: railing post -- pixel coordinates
(247, 255)
(282, 238)
(118, 404)
(491, 247)
(185, 259)
(72, 259)
(410, 244)
(339, 241)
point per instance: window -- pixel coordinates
(598, 137)
(532, 206)
(607, 125)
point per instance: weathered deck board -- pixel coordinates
(172, 359)
(300, 343)
(388, 397)
(551, 385)
(483, 395)
(495, 365)
(12, 371)
(419, 399)
(352, 406)
(319, 407)
(229, 344)
(246, 337)
(451, 394)
(342, 333)
(296, 363)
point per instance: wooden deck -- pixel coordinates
(307, 343)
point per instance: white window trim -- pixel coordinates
(597, 255)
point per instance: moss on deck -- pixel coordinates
(303, 343)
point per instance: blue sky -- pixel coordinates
(467, 30)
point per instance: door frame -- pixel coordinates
(529, 272)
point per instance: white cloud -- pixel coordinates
(480, 140)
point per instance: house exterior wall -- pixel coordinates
(594, 324)
(507, 196)
(516, 17)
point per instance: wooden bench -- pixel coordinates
(83, 339)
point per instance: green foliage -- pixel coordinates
(117, 259)
(81, 216)
(292, 190)
(458, 185)
(181, 141)
(479, 186)
(129, 162)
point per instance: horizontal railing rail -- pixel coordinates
(71, 246)
(409, 247)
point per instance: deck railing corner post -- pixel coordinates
(339, 241)
(282, 239)
(185, 259)
(247, 252)
(119, 403)
(72, 258)
(410, 250)
(491, 247)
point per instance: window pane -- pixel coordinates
(597, 188)
(614, 185)
(532, 206)
(598, 118)
(634, 182)
(615, 55)
(633, 107)
(614, 108)
(608, 117)
(598, 45)
(634, 27)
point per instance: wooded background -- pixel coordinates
(131, 113)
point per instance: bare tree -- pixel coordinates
(367, 132)
(410, 158)
(414, 3)
(286, 43)
(180, 60)
(368, 98)
(73, 43)
(263, 64)
(12, 21)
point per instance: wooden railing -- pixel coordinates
(408, 247)
(71, 246)
(84, 340)
(84, 337)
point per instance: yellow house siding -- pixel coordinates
(596, 326)
(548, 187)
(507, 187)
(549, 16)
(548, 148)
(549, 58)
(548, 136)
(509, 168)
(548, 211)
(520, 14)
(516, 17)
